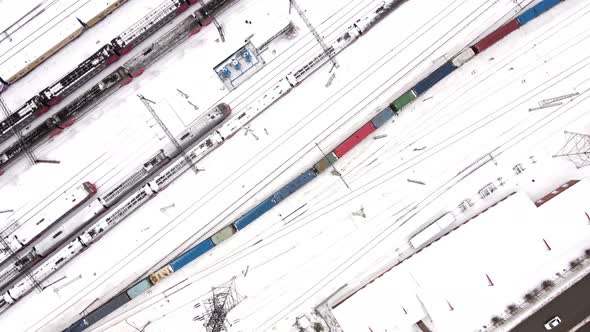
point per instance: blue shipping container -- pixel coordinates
(536, 11)
(545, 5)
(191, 254)
(526, 17)
(434, 78)
(139, 288)
(294, 185)
(383, 116)
(256, 212)
(105, 309)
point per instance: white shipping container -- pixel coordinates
(463, 57)
(445, 221)
(15, 65)
(95, 10)
(425, 235)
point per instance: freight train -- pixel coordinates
(103, 57)
(307, 176)
(212, 141)
(21, 61)
(49, 243)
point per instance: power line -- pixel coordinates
(223, 299)
(148, 105)
(576, 149)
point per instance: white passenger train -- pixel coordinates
(54, 240)
(58, 209)
(165, 177)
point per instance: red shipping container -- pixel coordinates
(496, 35)
(355, 139)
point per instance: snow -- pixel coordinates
(504, 243)
(481, 108)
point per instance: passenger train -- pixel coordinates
(41, 50)
(50, 242)
(164, 178)
(51, 214)
(381, 118)
(97, 62)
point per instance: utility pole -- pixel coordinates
(334, 171)
(217, 25)
(26, 272)
(320, 40)
(148, 105)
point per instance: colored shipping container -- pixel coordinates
(536, 11)
(355, 139)
(382, 117)
(191, 254)
(255, 213)
(495, 36)
(325, 162)
(139, 288)
(461, 58)
(403, 100)
(294, 185)
(223, 234)
(161, 274)
(545, 5)
(78, 326)
(107, 308)
(527, 16)
(435, 77)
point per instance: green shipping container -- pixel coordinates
(403, 100)
(223, 234)
(139, 288)
(325, 162)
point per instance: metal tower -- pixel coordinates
(188, 160)
(224, 298)
(320, 40)
(26, 272)
(576, 149)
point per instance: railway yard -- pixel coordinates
(264, 165)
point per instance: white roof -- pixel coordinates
(505, 244)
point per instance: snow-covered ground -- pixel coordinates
(515, 244)
(294, 263)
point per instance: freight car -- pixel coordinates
(171, 172)
(120, 77)
(49, 38)
(265, 205)
(47, 245)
